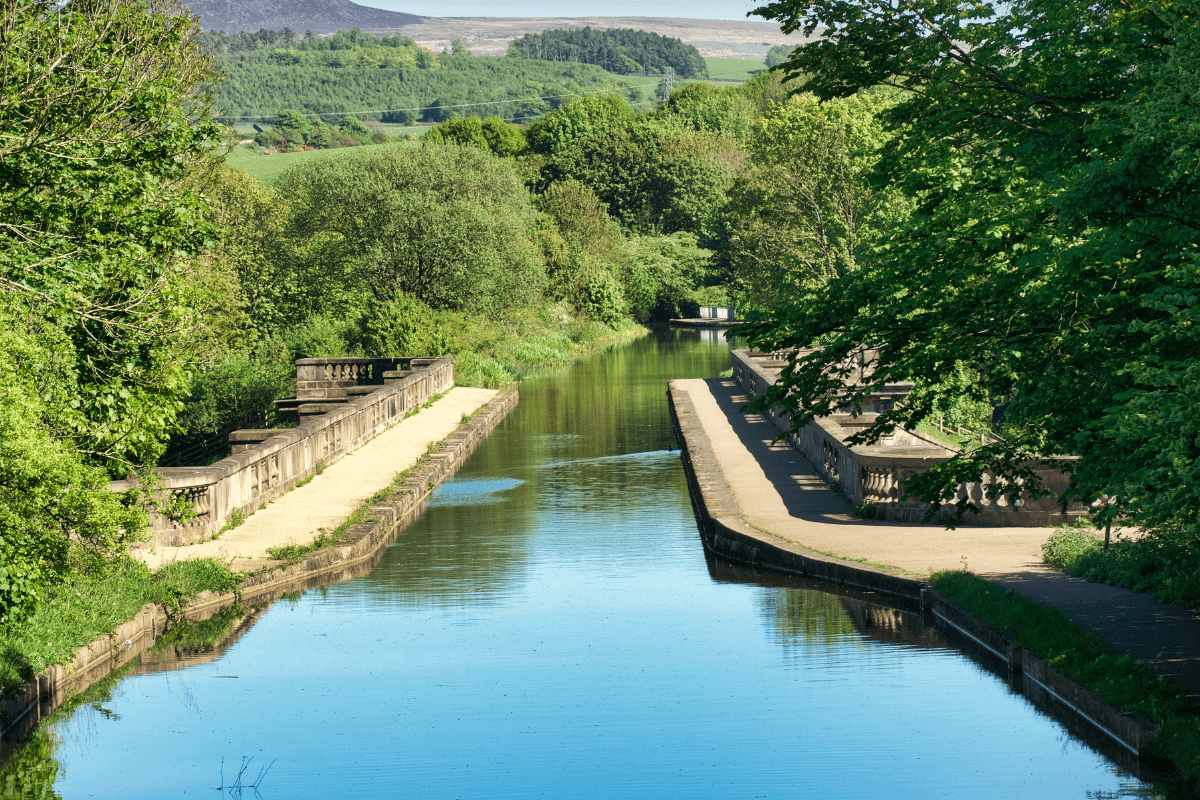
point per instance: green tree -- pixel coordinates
(353, 127)
(704, 107)
(779, 54)
(804, 211)
(660, 274)
(319, 135)
(1050, 153)
(654, 177)
(584, 252)
(403, 326)
(102, 117)
(293, 126)
(450, 225)
(492, 134)
(583, 118)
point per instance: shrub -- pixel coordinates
(601, 296)
(1164, 563)
(402, 327)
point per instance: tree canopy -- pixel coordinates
(450, 225)
(620, 50)
(102, 116)
(1049, 150)
(803, 211)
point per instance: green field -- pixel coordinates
(267, 169)
(733, 69)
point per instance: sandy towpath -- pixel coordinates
(299, 516)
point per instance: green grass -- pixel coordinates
(733, 69)
(84, 607)
(963, 441)
(266, 169)
(292, 553)
(236, 518)
(1119, 679)
(498, 351)
(1164, 564)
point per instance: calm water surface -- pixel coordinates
(551, 627)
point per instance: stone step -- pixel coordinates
(248, 437)
(391, 376)
(315, 409)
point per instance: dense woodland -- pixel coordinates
(619, 50)
(389, 79)
(1019, 237)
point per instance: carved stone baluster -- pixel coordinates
(887, 484)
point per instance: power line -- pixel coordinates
(539, 116)
(459, 105)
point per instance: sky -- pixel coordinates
(698, 9)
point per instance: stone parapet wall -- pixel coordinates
(328, 378)
(874, 474)
(265, 470)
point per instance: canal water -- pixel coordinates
(552, 627)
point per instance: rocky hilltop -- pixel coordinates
(318, 16)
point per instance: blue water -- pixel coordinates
(551, 627)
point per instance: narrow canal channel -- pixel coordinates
(551, 627)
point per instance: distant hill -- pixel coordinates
(318, 16)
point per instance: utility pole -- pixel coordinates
(668, 83)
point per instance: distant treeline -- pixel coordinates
(219, 43)
(620, 50)
(397, 83)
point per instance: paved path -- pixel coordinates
(778, 491)
(331, 497)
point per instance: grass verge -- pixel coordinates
(292, 553)
(1164, 564)
(88, 606)
(496, 352)
(1119, 679)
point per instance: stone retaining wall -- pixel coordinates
(355, 555)
(266, 469)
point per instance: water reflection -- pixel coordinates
(551, 625)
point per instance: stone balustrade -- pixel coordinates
(268, 463)
(875, 474)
